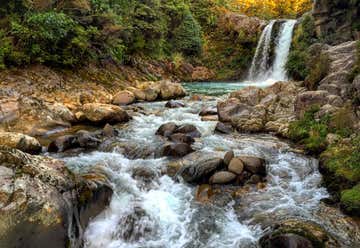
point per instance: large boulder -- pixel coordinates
(175, 150)
(20, 141)
(170, 90)
(254, 165)
(189, 130)
(124, 97)
(43, 203)
(167, 129)
(98, 113)
(200, 171)
(306, 100)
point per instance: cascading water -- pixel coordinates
(261, 68)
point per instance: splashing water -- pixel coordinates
(161, 212)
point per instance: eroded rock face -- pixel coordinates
(20, 141)
(258, 110)
(335, 19)
(42, 203)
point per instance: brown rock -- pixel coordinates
(20, 141)
(181, 138)
(189, 129)
(210, 118)
(124, 97)
(308, 99)
(167, 129)
(254, 165)
(208, 111)
(176, 150)
(236, 166)
(174, 104)
(228, 157)
(224, 128)
(222, 177)
(98, 113)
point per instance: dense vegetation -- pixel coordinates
(69, 33)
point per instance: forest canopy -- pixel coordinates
(73, 32)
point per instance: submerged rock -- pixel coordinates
(45, 203)
(174, 104)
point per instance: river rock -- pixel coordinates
(208, 111)
(254, 165)
(175, 150)
(98, 113)
(236, 166)
(222, 177)
(287, 240)
(41, 200)
(150, 94)
(87, 139)
(124, 97)
(254, 179)
(188, 129)
(167, 129)
(20, 141)
(210, 118)
(182, 138)
(228, 157)
(170, 90)
(138, 93)
(109, 131)
(63, 143)
(224, 128)
(174, 104)
(200, 171)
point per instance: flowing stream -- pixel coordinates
(151, 209)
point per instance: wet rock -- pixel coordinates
(175, 150)
(228, 157)
(20, 141)
(109, 131)
(182, 138)
(130, 150)
(236, 166)
(42, 202)
(174, 104)
(254, 179)
(200, 171)
(222, 177)
(208, 111)
(87, 139)
(286, 241)
(167, 129)
(98, 113)
(254, 165)
(203, 193)
(124, 97)
(170, 90)
(295, 233)
(224, 128)
(188, 129)
(63, 143)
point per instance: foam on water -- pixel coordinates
(163, 212)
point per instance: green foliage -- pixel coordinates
(310, 132)
(350, 200)
(188, 36)
(318, 70)
(299, 63)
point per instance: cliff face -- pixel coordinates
(337, 20)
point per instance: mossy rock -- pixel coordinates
(350, 200)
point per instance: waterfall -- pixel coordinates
(261, 68)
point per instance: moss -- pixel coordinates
(350, 200)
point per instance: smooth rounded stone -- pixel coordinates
(228, 157)
(20, 141)
(63, 143)
(222, 177)
(236, 166)
(181, 138)
(210, 118)
(254, 165)
(208, 111)
(139, 94)
(254, 179)
(151, 94)
(188, 129)
(287, 240)
(224, 128)
(124, 97)
(200, 171)
(174, 104)
(99, 113)
(167, 129)
(175, 150)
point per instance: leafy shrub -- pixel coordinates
(188, 36)
(350, 200)
(318, 70)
